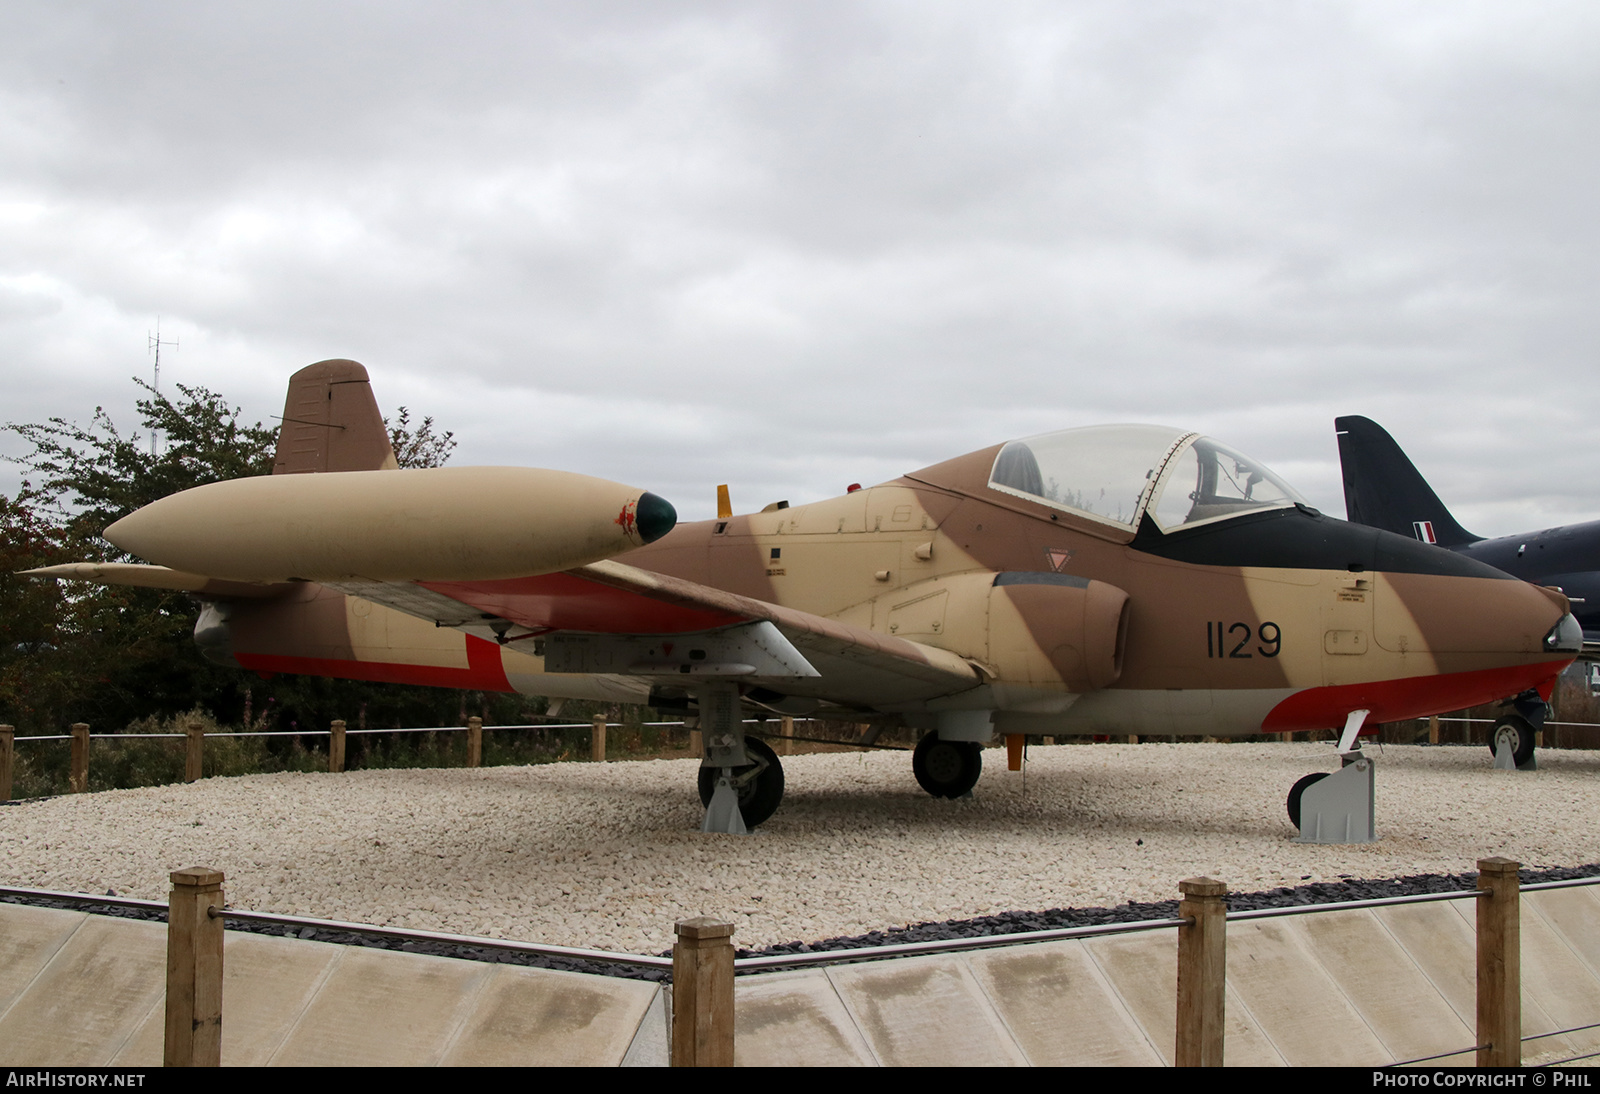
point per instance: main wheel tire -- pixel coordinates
(947, 769)
(1515, 730)
(758, 796)
(1297, 791)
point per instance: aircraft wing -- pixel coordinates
(612, 618)
(141, 576)
(608, 618)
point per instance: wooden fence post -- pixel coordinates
(474, 741)
(1433, 729)
(194, 752)
(1202, 973)
(786, 736)
(78, 777)
(597, 739)
(1499, 964)
(8, 735)
(336, 746)
(702, 993)
(194, 969)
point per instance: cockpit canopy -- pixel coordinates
(1116, 473)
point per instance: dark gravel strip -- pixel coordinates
(1322, 892)
(351, 938)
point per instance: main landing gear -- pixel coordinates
(947, 769)
(1514, 732)
(741, 780)
(757, 785)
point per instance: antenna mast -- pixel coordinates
(155, 346)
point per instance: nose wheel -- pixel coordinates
(1297, 791)
(1338, 807)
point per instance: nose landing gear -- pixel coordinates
(1337, 807)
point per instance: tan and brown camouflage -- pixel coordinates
(992, 593)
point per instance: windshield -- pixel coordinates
(1207, 480)
(1114, 473)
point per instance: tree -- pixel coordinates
(96, 476)
(110, 654)
(99, 476)
(31, 680)
(107, 654)
(421, 447)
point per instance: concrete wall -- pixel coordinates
(1353, 988)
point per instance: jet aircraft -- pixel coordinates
(1384, 489)
(1111, 579)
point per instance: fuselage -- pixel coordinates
(1140, 606)
(1282, 620)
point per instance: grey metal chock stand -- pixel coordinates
(1339, 809)
(722, 732)
(1504, 760)
(723, 815)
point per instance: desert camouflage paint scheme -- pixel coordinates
(1121, 579)
(1277, 620)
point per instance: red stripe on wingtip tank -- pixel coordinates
(484, 671)
(1396, 700)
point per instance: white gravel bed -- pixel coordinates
(609, 855)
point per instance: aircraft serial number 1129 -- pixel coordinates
(1053, 585)
(1242, 632)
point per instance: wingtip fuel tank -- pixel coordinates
(440, 524)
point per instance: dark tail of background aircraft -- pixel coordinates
(1382, 489)
(331, 422)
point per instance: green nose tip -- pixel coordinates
(654, 517)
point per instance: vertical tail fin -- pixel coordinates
(331, 423)
(1383, 489)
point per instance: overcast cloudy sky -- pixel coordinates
(791, 246)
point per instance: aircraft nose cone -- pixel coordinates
(654, 517)
(1565, 637)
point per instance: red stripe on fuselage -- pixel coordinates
(484, 671)
(1416, 697)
